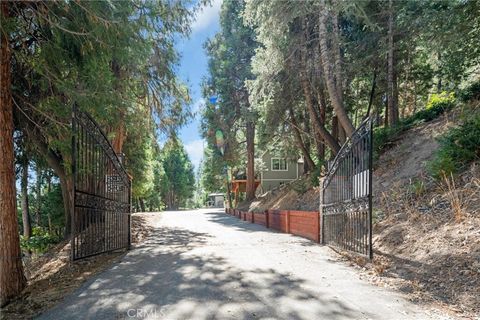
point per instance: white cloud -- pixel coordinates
(206, 16)
(194, 150)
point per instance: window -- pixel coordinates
(279, 164)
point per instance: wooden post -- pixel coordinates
(267, 222)
(320, 214)
(287, 217)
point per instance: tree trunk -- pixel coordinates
(250, 194)
(66, 184)
(301, 145)
(57, 164)
(338, 57)
(321, 134)
(229, 195)
(391, 99)
(334, 131)
(49, 216)
(120, 137)
(321, 101)
(342, 134)
(395, 94)
(12, 279)
(306, 128)
(27, 226)
(137, 205)
(142, 204)
(414, 96)
(120, 130)
(372, 93)
(342, 137)
(385, 121)
(439, 83)
(38, 192)
(322, 106)
(328, 75)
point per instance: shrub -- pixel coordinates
(458, 148)
(442, 100)
(383, 135)
(436, 105)
(472, 92)
(40, 240)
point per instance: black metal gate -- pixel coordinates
(101, 192)
(346, 197)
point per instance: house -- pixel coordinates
(278, 170)
(271, 171)
(215, 200)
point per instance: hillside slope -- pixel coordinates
(297, 195)
(426, 233)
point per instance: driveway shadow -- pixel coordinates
(247, 226)
(165, 280)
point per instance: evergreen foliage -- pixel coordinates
(178, 181)
(316, 59)
(459, 147)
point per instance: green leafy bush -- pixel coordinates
(472, 92)
(441, 100)
(383, 135)
(458, 148)
(436, 105)
(40, 240)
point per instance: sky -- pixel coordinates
(192, 69)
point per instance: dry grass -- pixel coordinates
(428, 242)
(52, 276)
(427, 239)
(454, 197)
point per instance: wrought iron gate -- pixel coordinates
(346, 197)
(101, 192)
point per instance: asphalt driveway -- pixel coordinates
(204, 264)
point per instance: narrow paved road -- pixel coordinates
(205, 264)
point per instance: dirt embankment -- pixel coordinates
(297, 195)
(426, 232)
(52, 276)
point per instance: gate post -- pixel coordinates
(74, 173)
(320, 213)
(130, 214)
(370, 189)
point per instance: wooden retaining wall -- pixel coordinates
(260, 218)
(301, 223)
(304, 224)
